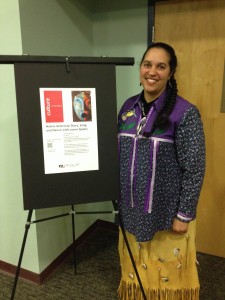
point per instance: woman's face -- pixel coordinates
(154, 73)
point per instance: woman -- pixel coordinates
(162, 164)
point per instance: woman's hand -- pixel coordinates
(179, 227)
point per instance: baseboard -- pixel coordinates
(45, 274)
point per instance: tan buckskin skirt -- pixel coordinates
(166, 266)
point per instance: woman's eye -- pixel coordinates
(162, 67)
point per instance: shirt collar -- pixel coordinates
(158, 103)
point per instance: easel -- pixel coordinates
(72, 213)
(67, 61)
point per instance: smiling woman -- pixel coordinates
(162, 165)
(155, 73)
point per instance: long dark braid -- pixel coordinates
(162, 121)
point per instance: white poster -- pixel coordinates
(69, 129)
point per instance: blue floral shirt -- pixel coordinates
(161, 175)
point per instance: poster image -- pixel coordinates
(69, 129)
(81, 102)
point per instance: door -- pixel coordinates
(196, 29)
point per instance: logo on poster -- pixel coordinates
(53, 106)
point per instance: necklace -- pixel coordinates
(145, 107)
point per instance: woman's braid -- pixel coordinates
(162, 120)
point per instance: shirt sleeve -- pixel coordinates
(190, 146)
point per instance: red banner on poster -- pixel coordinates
(53, 106)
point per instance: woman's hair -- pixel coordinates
(162, 120)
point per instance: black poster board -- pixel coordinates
(42, 190)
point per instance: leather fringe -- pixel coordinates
(128, 291)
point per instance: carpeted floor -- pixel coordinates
(98, 274)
